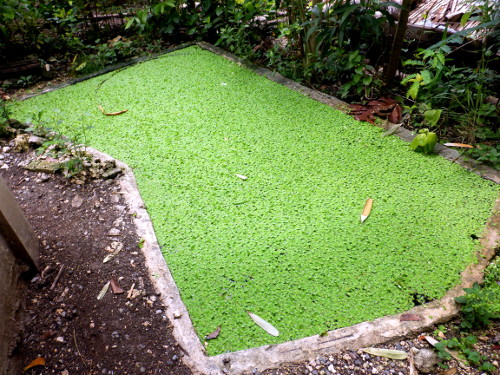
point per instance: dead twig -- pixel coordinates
(79, 353)
(412, 370)
(57, 277)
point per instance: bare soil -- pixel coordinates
(66, 324)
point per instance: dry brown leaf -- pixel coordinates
(457, 145)
(450, 371)
(367, 209)
(115, 287)
(410, 318)
(112, 113)
(39, 361)
(396, 114)
(213, 335)
(441, 334)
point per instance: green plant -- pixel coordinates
(478, 306)
(424, 141)
(72, 148)
(463, 347)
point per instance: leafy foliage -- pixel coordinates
(424, 141)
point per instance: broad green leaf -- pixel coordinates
(413, 91)
(426, 76)
(432, 116)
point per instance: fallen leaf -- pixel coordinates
(495, 347)
(241, 176)
(213, 335)
(396, 114)
(268, 327)
(450, 371)
(382, 107)
(112, 113)
(457, 145)
(103, 291)
(393, 129)
(387, 353)
(441, 334)
(367, 209)
(39, 361)
(115, 248)
(410, 318)
(115, 287)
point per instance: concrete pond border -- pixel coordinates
(361, 335)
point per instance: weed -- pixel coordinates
(479, 306)
(424, 141)
(463, 347)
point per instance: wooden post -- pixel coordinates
(15, 229)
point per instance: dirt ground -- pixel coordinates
(126, 333)
(64, 322)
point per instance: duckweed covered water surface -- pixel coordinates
(287, 243)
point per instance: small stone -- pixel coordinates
(175, 357)
(35, 140)
(142, 369)
(115, 334)
(425, 360)
(112, 173)
(374, 371)
(114, 232)
(77, 201)
(177, 314)
(60, 339)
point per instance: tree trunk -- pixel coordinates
(393, 64)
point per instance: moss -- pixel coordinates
(287, 243)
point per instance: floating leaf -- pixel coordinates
(39, 361)
(241, 176)
(410, 318)
(458, 145)
(115, 287)
(367, 209)
(268, 327)
(103, 291)
(213, 335)
(112, 113)
(387, 353)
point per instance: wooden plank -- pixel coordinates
(15, 229)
